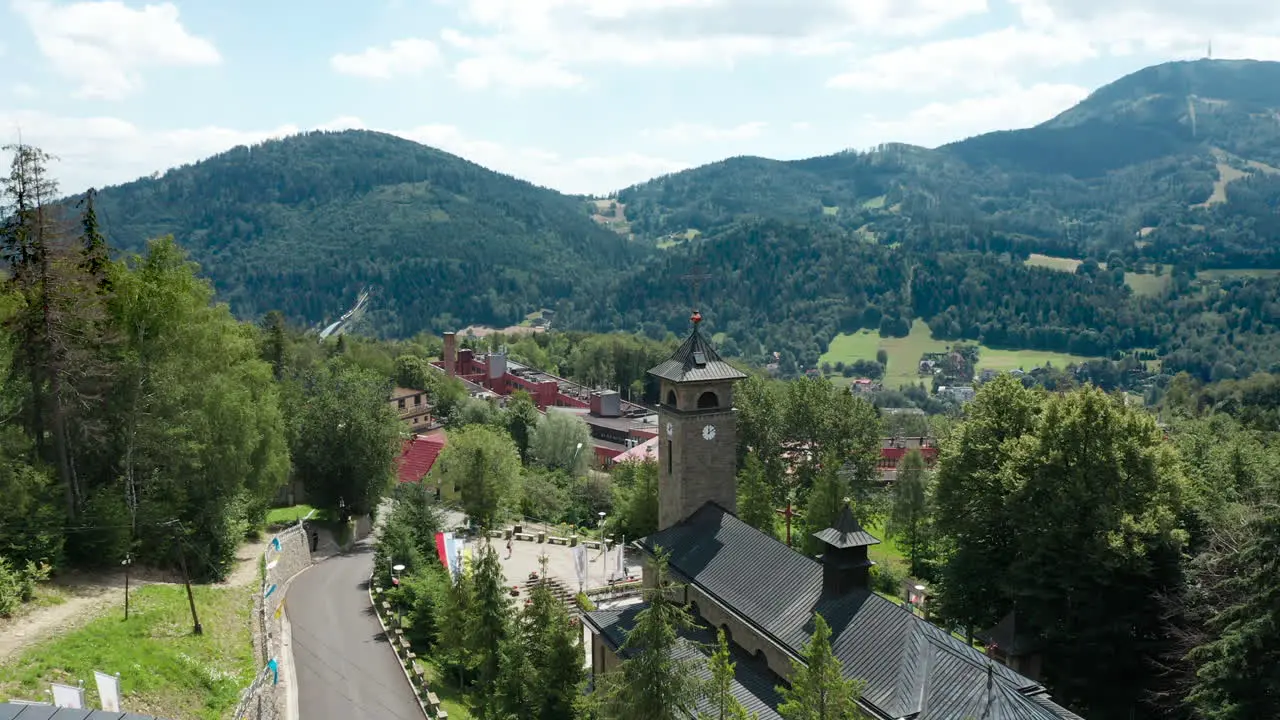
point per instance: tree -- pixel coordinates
(651, 683)
(274, 343)
(348, 439)
(562, 442)
(635, 486)
(30, 246)
(724, 706)
(819, 690)
(488, 627)
(522, 421)
(554, 642)
(454, 625)
(909, 517)
(94, 253)
(485, 467)
(973, 513)
(826, 501)
(755, 499)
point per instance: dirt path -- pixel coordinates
(85, 596)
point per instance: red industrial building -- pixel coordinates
(616, 424)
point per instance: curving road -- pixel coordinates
(344, 666)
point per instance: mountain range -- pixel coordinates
(1167, 172)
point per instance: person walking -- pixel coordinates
(508, 548)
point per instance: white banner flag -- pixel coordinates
(65, 696)
(108, 690)
(580, 564)
(619, 564)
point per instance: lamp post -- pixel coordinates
(126, 562)
(395, 580)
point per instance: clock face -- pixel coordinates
(709, 432)
(670, 429)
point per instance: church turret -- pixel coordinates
(845, 565)
(698, 442)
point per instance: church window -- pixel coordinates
(671, 398)
(708, 399)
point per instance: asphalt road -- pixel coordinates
(345, 667)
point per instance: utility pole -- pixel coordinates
(186, 579)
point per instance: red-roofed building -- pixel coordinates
(418, 456)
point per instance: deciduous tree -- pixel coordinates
(484, 466)
(755, 498)
(910, 517)
(562, 442)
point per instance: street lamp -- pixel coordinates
(395, 580)
(126, 562)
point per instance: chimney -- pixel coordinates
(451, 353)
(845, 565)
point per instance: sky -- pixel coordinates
(584, 96)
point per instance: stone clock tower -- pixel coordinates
(697, 430)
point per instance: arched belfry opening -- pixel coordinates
(697, 453)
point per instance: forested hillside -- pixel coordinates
(302, 224)
(1139, 190)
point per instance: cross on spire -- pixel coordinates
(695, 277)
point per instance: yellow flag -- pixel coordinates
(279, 610)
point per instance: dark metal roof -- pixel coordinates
(847, 533)
(753, 684)
(14, 711)
(696, 361)
(911, 667)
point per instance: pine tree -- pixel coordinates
(488, 626)
(454, 626)
(819, 690)
(909, 516)
(755, 497)
(724, 706)
(29, 246)
(554, 643)
(94, 253)
(652, 684)
(826, 501)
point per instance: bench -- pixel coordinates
(442, 714)
(497, 533)
(432, 700)
(524, 536)
(411, 656)
(553, 540)
(386, 606)
(593, 544)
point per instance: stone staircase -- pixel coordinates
(558, 591)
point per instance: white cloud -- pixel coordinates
(982, 62)
(104, 46)
(1172, 28)
(685, 133)
(24, 91)
(939, 123)
(99, 151)
(566, 34)
(410, 56)
(801, 126)
(485, 71)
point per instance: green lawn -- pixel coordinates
(1053, 263)
(830, 209)
(289, 515)
(874, 203)
(452, 700)
(904, 354)
(1146, 283)
(164, 669)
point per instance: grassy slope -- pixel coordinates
(164, 669)
(904, 354)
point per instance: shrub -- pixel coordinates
(584, 603)
(19, 586)
(887, 580)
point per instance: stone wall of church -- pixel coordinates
(739, 632)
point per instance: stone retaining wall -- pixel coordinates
(288, 554)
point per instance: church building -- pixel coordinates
(764, 594)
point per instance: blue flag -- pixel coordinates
(275, 543)
(270, 590)
(275, 671)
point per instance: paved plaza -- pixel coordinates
(525, 559)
